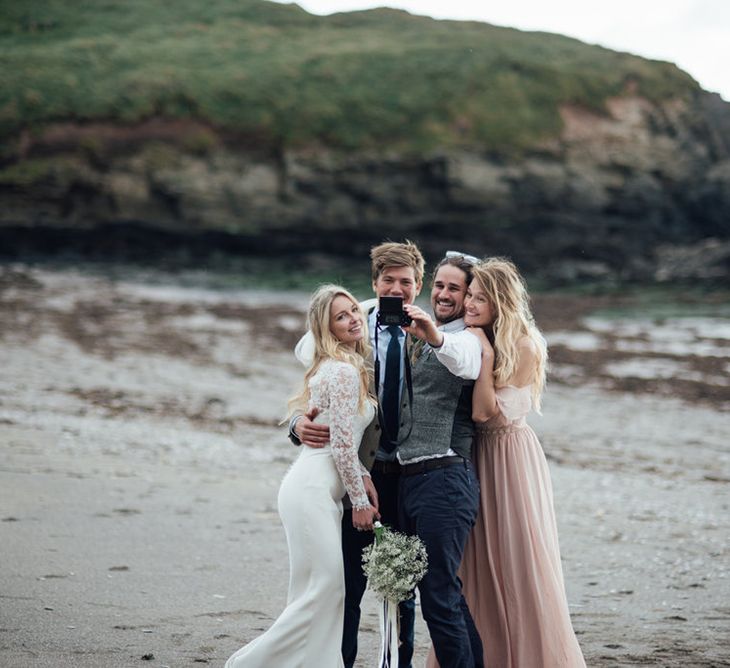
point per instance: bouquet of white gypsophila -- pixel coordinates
(394, 565)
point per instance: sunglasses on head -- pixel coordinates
(468, 258)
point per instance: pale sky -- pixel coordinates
(694, 34)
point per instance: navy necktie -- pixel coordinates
(391, 391)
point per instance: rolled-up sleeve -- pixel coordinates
(461, 354)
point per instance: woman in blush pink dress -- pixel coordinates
(511, 572)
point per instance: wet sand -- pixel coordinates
(141, 458)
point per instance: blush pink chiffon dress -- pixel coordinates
(511, 571)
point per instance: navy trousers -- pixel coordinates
(353, 543)
(440, 507)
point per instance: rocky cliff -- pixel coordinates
(618, 190)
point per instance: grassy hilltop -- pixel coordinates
(279, 77)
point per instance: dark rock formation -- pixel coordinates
(595, 203)
(708, 260)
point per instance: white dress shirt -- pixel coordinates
(383, 343)
(461, 352)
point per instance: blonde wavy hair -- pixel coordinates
(327, 346)
(507, 295)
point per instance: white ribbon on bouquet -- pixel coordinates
(388, 616)
(394, 565)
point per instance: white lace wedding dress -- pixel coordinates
(308, 633)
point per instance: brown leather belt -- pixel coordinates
(386, 467)
(431, 464)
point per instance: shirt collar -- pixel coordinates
(453, 326)
(373, 319)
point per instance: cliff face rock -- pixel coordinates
(597, 201)
(253, 127)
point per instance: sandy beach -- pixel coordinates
(141, 454)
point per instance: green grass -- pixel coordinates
(31, 172)
(380, 79)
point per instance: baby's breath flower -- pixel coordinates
(394, 564)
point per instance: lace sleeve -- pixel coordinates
(343, 387)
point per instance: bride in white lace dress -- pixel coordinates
(308, 633)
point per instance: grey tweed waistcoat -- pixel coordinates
(441, 412)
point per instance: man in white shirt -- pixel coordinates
(438, 491)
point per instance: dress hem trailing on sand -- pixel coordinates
(308, 633)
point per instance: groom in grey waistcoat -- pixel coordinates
(438, 491)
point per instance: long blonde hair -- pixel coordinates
(327, 346)
(507, 295)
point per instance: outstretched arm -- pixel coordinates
(459, 352)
